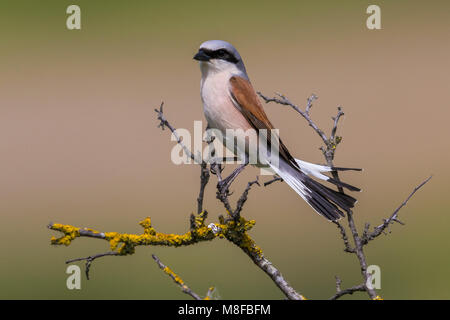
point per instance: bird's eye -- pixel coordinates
(221, 53)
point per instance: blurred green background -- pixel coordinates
(79, 143)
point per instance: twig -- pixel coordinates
(210, 293)
(163, 123)
(272, 181)
(204, 178)
(348, 247)
(90, 259)
(305, 114)
(176, 278)
(393, 218)
(336, 120)
(243, 199)
(222, 193)
(340, 292)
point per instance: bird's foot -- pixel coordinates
(224, 185)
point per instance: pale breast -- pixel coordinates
(219, 110)
(221, 114)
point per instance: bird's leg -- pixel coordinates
(224, 184)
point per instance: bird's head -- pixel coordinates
(217, 56)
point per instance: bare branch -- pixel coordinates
(222, 193)
(277, 178)
(279, 280)
(340, 292)
(393, 218)
(204, 178)
(305, 114)
(90, 259)
(243, 199)
(336, 120)
(348, 247)
(164, 123)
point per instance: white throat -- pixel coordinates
(222, 68)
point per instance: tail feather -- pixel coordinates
(316, 170)
(349, 201)
(344, 169)
(325, 201)
(308, 166)
(344, 201)
(343, 184)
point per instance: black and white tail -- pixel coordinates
(325, 201)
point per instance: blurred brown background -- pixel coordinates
(79, 143)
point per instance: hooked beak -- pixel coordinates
(202, 56)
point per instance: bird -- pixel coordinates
(230, 104)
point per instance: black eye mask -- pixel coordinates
(221, 54)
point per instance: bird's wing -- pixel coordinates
(246, 101)
(324, 200)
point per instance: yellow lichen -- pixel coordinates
(247, 244)
(91, 230)
(174, 276)
(70, 233)
(113, 238)
(147, 225)
(234, 231)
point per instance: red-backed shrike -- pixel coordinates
(231, 105)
